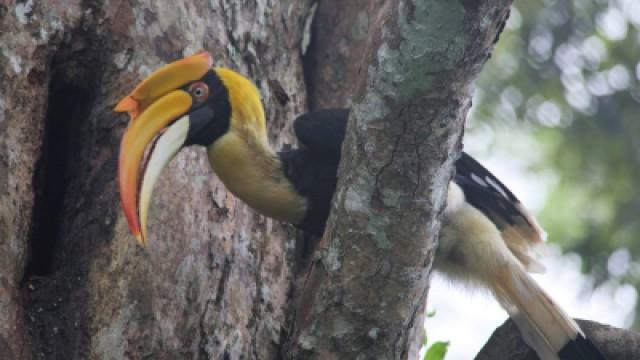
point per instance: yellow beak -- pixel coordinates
(153, 105)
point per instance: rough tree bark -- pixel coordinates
(415, 61)
(217, 280)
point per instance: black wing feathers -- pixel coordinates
(485, 192)
(312, 169)
(322, 132)
(316, 181)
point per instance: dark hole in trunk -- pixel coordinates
(65, 105)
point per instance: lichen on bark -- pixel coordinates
(409, 106)
(217, 281)
(216, 278)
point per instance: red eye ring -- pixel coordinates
(199, 91)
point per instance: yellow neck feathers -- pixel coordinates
(247, 113)
(244, 160)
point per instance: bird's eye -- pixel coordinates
(199, 91)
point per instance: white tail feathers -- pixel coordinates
(543, 325)
(473, 249)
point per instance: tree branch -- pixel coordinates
(365, 293)
(615, 344)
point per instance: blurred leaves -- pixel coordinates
(437, 351)
(567, 72)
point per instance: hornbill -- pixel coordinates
(487, 235)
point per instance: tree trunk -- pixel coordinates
(217, 279)
(410, 65)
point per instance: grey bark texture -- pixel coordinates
(215, 282)
(411, 70)
(615, 344)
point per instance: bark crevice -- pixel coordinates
(67, 105)
(53, 276)
(216, 281)
(407, 68)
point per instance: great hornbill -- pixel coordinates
(487, 235)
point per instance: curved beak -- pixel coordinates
(153, 106)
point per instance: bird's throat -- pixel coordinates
(253, 173)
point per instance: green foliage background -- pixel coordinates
(438, 349)
(567, 73)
